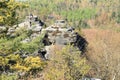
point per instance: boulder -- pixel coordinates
(60, 23)
(26, 40)
(11, 30)
(2, 29)
(37, 28)
(59, 33)
(42, 53)
(34, 35)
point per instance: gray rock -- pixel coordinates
(37, 28)
(47, 55)
(26, 40)
(21, 74)
(60, 23)
(2, 29)
(34, 35)
(11, 30)
(59, 33)
(13, 35)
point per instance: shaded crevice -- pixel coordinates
(46, 41)
(81, 43)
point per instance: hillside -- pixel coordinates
(60, 40)
(103, 53)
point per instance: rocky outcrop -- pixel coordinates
(31, 22)
(2, 29)
(62, 35)
(59, 33)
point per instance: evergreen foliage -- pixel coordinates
(8, 15)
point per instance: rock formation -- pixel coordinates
(59, 33)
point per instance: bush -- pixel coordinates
(79, 14)
(28, 64)
(66, 64)
(8, 77)
(10, 54)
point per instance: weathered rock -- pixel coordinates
(2, 29)
(11, 30)
(60, 34)
(47, 55)
(60, 23)
(42, 53)
(37, 28)
(34, 35)
(21, 74)
(26, 40)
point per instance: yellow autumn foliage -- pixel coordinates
(20, 67)
(3, 61)
(33, 62)
(8, 12)
(28, 64)
(1, 19)
(67, 64)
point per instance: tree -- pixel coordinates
(66, 64)
(103, 54)
(8, 15)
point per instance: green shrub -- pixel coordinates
(79, 14)
(8, 77)
(8, 46)
(66, 64)
(35, 44)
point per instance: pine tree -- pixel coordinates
(8, 15)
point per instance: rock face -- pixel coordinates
(37, 28)
(11, 32)
(2, 29)
(26, 40)
(57, 34)
(31, 22)
(60, 34)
